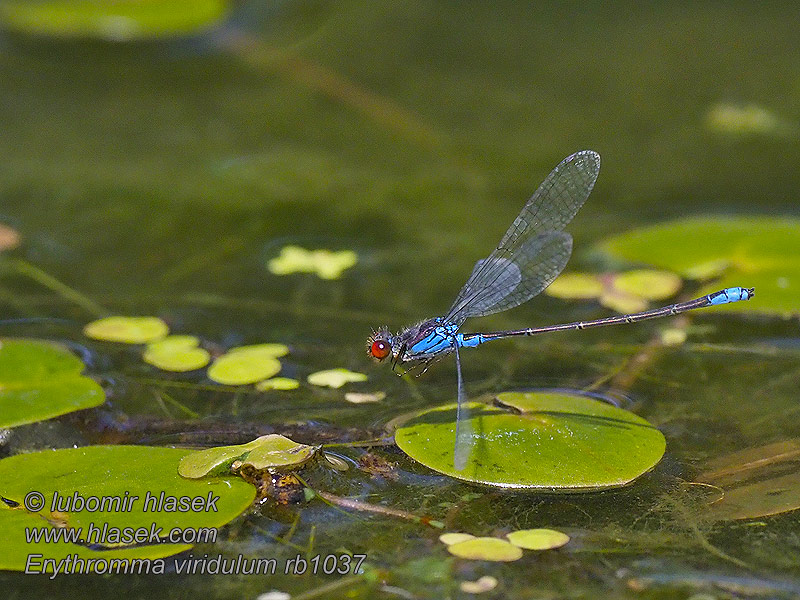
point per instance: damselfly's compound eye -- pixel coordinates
(379, 344)
(380, 349)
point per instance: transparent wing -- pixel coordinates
(512, 282)
(532, 252)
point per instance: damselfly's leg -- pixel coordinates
(463, 424)
(425, 365)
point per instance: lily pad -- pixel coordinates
(486, 548)
(267, 451)
(648, 283)
(247, 364)
(364, 397)
(538, 539)
(335, 378)
(272, 350)
(759, 252)
(449, 539)
(177, 353)
(324, 263)
(627, 292)
(128, 330)
(746, 119)
(576, 286)
(39, 381)
(120, 20)
(538, 440)
(278, 383)
(129, 478)
(482, 585)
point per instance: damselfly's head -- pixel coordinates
(379, 344)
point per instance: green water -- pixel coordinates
(159, 177)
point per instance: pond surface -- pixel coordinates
(160, 177)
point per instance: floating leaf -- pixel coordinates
(176, 353)
(326, 264)
(648, 283)
(363, 398)
(128, 330)
(138, 475)
(537, 539)
(247, 364)
(486, 548)
(268, 350)
(745, 119)
(550, 440)
(335, 378)
(756, 482)
(274, 595)
(485, 584)
(277, 383)
(576, 286)
(623, 303)
(39, 381)
(759, 252)
(120, 20)
(267, 451)
(673, 337)
(454, 538)
(626, 292)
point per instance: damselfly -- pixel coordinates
(530, 256)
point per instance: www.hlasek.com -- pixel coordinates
(107, 535)
(104, 536)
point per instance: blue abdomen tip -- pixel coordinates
(733, 294)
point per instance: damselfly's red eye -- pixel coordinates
(380, 349)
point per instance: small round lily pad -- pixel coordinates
(267, 451)
(484, 584)
(537, 539)
(575, 286)
(241, 367)
(121, 20)
(324, 263)
(278, 383)
(648, 283)
(271, 350)
(626, 292)
(746, 119)
(364, 397)
(335, 378)
(449, 539)
(128, 330)
(486, 548)
(177, 353)
(537, 440)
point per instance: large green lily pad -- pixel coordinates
(538, 440)
(758, 252)
(120, 20)
(40, 380)
(111, 472)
